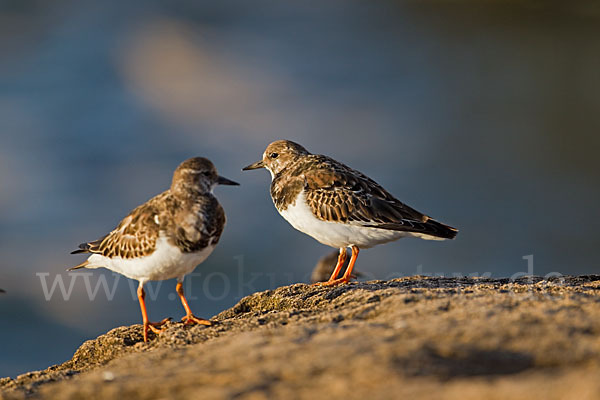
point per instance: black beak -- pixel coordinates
(256, 165)
(224, 181)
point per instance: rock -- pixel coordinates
(417, 337)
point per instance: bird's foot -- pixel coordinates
(191, 319)
(155, 327)
(334, 282)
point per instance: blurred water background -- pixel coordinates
(483, 114)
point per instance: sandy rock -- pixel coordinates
(418, 337)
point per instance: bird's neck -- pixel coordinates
(185, 192)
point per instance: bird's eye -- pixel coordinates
(274, 155)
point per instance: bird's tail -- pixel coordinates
(440, 230)
(82, 265)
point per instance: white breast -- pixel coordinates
(167, 262)
(336, 234)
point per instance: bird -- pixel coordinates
(166, 237)
(340, 206)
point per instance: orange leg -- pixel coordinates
(153, 326)
(338, 267)
(189, 317)
(348, 274)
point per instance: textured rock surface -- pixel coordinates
(414, 337)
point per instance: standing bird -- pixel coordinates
(339, 206)
(166, 237)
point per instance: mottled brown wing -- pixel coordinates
(337, 193)
(135, 236)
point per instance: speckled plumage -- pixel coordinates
(187, 214)
(337, 205)
(167, 236)
(337, 193)
(191, 224)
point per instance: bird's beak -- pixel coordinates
(224, 181)
(256, 165)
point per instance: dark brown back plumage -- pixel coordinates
(337, 193)
(188, 214)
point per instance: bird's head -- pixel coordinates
(278, 155)
(197, 174)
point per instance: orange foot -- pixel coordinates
(334, 282)
(190, 319)
(154, 327)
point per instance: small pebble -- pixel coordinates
(108, 376)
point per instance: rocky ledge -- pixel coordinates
(418, 337)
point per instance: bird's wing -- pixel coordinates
(337, 193)
(135, 236)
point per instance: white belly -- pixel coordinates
(336, 234)
(166, 262)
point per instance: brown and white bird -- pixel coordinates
(339, 206)
(167, 236)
